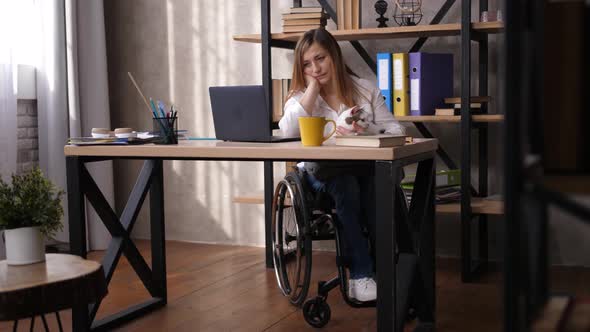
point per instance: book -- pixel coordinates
(472, 105)
(447, 195)
(300, 10)
(431, 79)
(384, 72)
(444, 179)
(289, 16)
(347, 14)
(340, 14)
(304, 21)
(454, 111)
(401, 85)
(446, 111)
(442, 195)
(356, 14)
(375, 141)
(474, 99)
(301, 28)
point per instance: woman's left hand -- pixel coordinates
(356, 129)
(343, 131)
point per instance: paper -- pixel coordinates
(398, 75)
(415, 94)
(383, 74)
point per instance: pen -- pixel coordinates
(162, 108)
(154, 109)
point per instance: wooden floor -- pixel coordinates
(227, 288)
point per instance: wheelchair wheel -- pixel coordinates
(316, 312)
(291, 240)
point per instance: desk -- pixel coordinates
(61, 282)
(388, 164)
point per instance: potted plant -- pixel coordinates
(30, 207)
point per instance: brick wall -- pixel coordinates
(28, 139)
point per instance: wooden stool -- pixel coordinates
(61, 282)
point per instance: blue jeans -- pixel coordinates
(354, 197)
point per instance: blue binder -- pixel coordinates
(431, 80)
(384, 72)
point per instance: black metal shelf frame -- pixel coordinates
(527, 199)
(470, 267)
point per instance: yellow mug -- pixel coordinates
(312, 130)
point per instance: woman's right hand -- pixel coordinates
(310, 95)
(311, 82)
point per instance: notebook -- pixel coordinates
(240, 114)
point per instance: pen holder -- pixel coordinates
(166, 130)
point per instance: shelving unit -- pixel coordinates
(546, 71)
(469, 208)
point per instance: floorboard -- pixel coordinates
(227, 288)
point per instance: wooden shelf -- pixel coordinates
(450, 118)
(478, 205)
(575, 184)
(255, 198)
(450, 29)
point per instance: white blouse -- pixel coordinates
(370, 99)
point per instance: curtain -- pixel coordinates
(72, 91)
(8, 145)
(8, 73)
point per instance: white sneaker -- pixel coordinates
(363, 289)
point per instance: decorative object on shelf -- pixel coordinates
(30, 207)
(490, 16)
(407, 12)
(381, 8)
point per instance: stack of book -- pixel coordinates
(447, 190)
(280, 91)
(455, 106)
(301, 19)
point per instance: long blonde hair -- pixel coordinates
(345, 88)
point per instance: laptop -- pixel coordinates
(240, 114)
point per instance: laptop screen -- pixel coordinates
(240, 112)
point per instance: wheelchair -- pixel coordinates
(299, 217)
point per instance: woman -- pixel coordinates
(323, 86)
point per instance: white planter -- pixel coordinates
(24, 246)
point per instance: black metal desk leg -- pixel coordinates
(385, 177)
(77, 230)
(268, 193)
(425, 183)
(157, 229)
